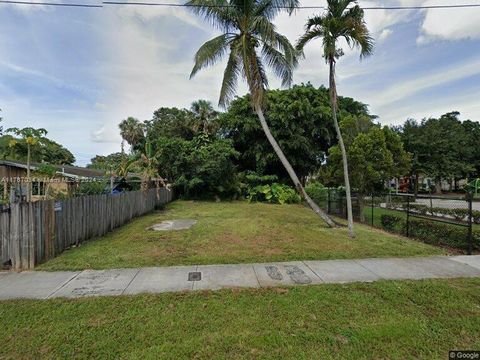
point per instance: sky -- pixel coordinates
(78, 72)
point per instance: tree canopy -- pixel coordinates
(443, 148)
(300, 119)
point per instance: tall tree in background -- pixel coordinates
(30, 137)
(205, 114)
(251, 40)
(131, 131)
(340, 21)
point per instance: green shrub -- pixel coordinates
(274, 193)
(391, 223)
(317, 192)
(431, 232)
(419, 208)
(476, 216)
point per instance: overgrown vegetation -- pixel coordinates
(233, 232)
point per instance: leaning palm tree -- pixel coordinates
(340, 21)
(250, 39)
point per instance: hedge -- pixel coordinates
(431, 232)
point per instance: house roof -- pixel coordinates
(63, 170)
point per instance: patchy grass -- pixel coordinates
(233, 232)
(383, 320)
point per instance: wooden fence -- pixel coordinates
(31, 233)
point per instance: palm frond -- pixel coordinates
(230, 79)
(271, 8)
(281, 67)
(210, 52)
(309, 36)
(218, 13)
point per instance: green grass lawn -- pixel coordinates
(383, 320)
(233, 232)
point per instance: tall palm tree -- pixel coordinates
(341, 20)
(250, 39)
(131, 131)
(205, 114)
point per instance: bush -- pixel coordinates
(391, 223)
(476, 216)
(274, 193)
(317, 192)
(431, 232)
(421, 209)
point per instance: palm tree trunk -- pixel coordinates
(333, 100)
(28, 173)
(290, 170)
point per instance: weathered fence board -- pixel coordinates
(31, 233)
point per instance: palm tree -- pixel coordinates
(30, 137)
(131, 131)
(148, 163)
(250, 39)
(340, 21)
(204, 114)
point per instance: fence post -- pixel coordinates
(470, 216)
(408, 216)
(372, 208)
(328, 201)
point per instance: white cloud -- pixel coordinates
(384, 34)
(416, 85)
(449, 24)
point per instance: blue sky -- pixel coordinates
(79, 72)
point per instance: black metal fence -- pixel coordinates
(452, 221)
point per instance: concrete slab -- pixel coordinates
(216, 277)
(285, 274)
(472, 260)
(158, 280)
(395, 269)
(97, 283)
(33, 284)
(169, 225)
(341, 271)
(442, 267)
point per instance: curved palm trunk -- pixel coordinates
(290, 170)
(333, 100)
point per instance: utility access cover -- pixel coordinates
(194, 276)
(169, 225)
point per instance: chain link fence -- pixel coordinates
(444, 221)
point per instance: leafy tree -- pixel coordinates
(472, 151)
(300, 120)
(1, 127)
(45, 150)
(375, 156)
(30, 137)
(250, 39)
(131, 131)
(197, 168)
(442, 148)
(340, 21)
(172, 122)
(107, 163)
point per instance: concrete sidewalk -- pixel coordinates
(44, 285)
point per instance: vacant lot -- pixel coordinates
(233, 232)
(384, 320)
